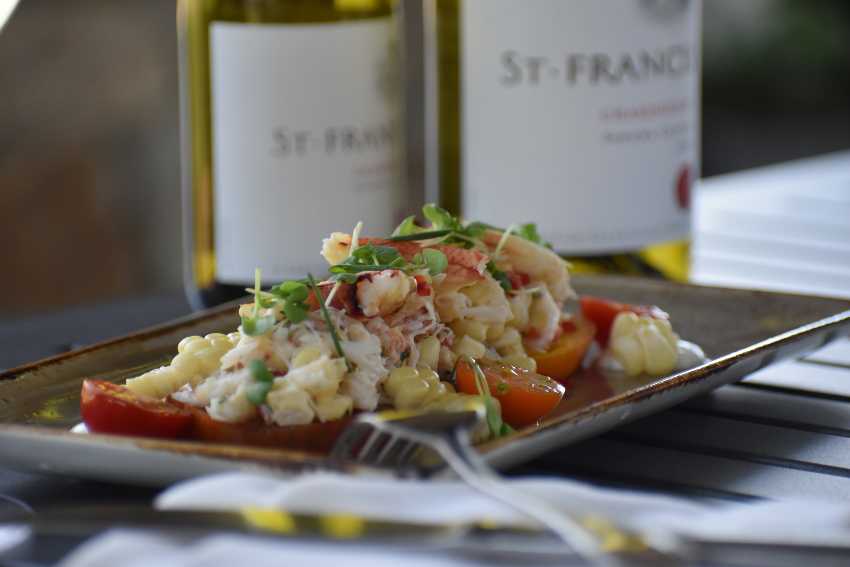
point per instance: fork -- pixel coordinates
(393, 439)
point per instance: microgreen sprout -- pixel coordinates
(421, 235)
(355, 243)
(374, 258)
(259, 388)
(500, 276)
(256, 324)
(529, 232)
(433, 259)
(504, 239)
(440, 218)
(407, 228)
(327, 317)
(293, 296)
(493, 411)
(444, 226)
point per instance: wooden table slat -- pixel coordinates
(613, 458)
(789, 410)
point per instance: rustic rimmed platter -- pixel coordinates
(740, 330)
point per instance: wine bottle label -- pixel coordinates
(304, 142)
(581, 115)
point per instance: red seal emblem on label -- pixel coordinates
(683, 187)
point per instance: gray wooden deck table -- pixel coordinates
(783, 431)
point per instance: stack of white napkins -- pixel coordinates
(802, 522)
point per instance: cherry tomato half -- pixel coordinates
(312, 437)
(603, 312)
(567, 351)
(110, 408)
(525, 396)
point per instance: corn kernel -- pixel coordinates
(184, 344)
(629, 353)
(478, 293)
(520, 305)
(429, 352)
(412, 394)
(333, 407)
(509, 338)
(398, 378)
(659, 355)
(305, 356)
(495, 331)
(467, 346)
(475, 329)
(185, 364)
(522, 361)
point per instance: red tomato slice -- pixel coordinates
(567, 351)
(525, 396)
(312, 437)
(110, 408)
(602, 313)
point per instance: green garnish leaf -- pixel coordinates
(295, 311)
(293, 289)
(256, 326)
(530, 233)
(345, 278)
(259, 371)
(476, 229)
(407, 227)
(499, 276)
(434, 260)
(256, 392)
(373, 258)
(351, 269)
(503, 388)
(327, 316)
(292, 296)
(493, 411)
(386, 255)
(426, 235)
(440, 218)
(493, 416)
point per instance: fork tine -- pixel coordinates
(407, 452)
(372, 447)
(389, 452)
(347, 446)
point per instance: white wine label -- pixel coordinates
(304, 142)
(581, 115)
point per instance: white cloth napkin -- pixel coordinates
(798, 521)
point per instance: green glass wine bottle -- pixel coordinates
(290, 131)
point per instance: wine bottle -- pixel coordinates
(290, 131)
(579, 114)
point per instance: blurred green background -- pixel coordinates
(89, 131)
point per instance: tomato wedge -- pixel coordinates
(110, 408)
(603, 312)
(525, 396)
(312, 437)
(567, 351)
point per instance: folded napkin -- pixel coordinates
(801, 522)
